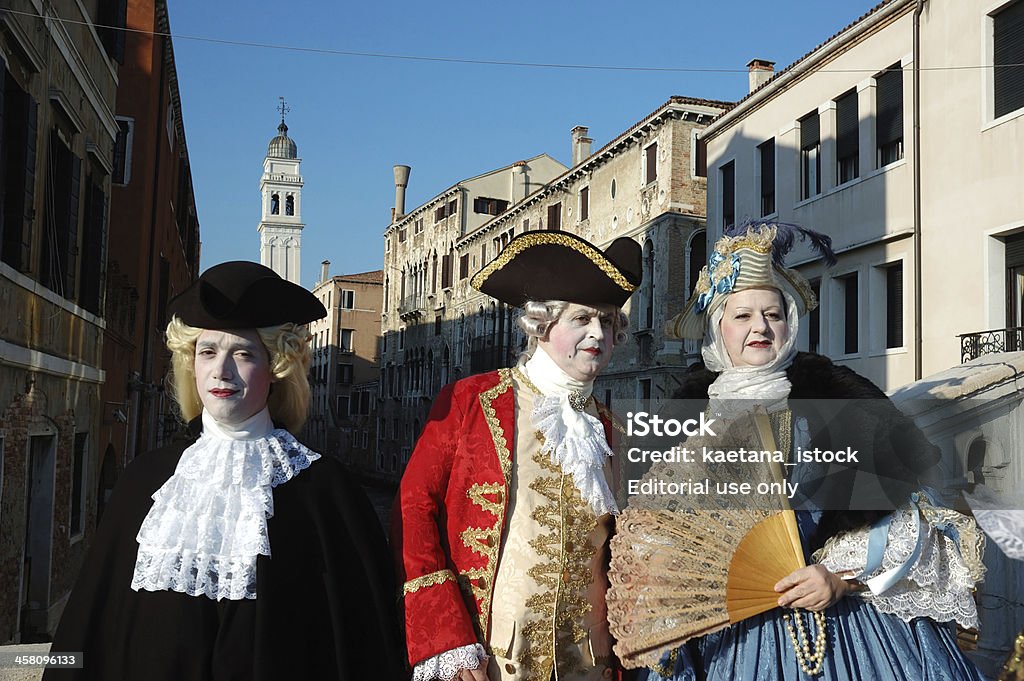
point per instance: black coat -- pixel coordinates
(894, 454)
(325, 606)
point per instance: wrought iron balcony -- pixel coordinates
(974, 345)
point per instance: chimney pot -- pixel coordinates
(401, 182)
(324, 267)
(759, 72)
(580, 144)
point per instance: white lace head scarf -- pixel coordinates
(736, 388)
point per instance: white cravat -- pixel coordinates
(208, 522)
(574, 439)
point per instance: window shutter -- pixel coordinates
(894, 306)
(728, 194)
(1014, 254)
(1007, 57)
(701, 169)
(889, 106)
(74, 192)
(652, 163)
(5, 162)
(809, 131)
(846, 125)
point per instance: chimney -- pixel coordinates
(401, 182)
(324, 266)
(759, 72)
(520, 185)
(580, 144)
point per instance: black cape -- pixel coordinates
(325, 606)
(893, 450)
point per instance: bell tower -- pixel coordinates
(281, 225)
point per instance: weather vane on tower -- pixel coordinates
(283, 108)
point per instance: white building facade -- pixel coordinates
(901, 143)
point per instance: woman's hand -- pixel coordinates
(812, 588)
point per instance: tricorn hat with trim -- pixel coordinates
(550, 265)
(244, 295)
(749, 256)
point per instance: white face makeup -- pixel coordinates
(232, 374)
(580, 341)
(754, 326)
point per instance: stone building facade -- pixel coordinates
(646, 184)
(57, 140)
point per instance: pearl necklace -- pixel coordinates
(810, 662)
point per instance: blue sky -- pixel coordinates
(353, 118)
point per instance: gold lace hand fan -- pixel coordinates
(677, 574)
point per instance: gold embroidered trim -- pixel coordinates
(560, 607)
(543, 238)
(478, 495)
(758, 238)
(478, 582)
(431, 579)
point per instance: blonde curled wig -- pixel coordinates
(290, 356)
(538, 317)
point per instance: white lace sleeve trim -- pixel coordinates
(938, 586)
(447, 665)
(208, 522)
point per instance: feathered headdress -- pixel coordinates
(750, 255)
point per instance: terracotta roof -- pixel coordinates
(374, 277)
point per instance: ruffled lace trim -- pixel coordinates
(581, 457)
(447, 665)
(208, 522)
(939, 585)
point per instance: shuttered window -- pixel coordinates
(850, 309)
(728, 174)
(894, 306)
(555, 216)
(701, 161)
(889, 115)
(810, 156)
(847, 146)
(1008, 57)
(651, 163)
(585, 203)
(18, 113)
(766, 154)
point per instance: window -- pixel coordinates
(1007, 58)
(275, 204)
(59, 260)
(289, 205)
(446, 270)
(555, 216)
(645, 389)
(94, 245)
(387, 245)
(651, 163)
(526, 225)
(847, 139)
(417, 226)
(342, 406)
(848, 285)
(889, 115)
(483, 254)
(464, 266)
(728, 176)
(485, 206)
(814, 320)
(696, 259)
(585, 203)
(766, 157)
(344, 374)
(18, 171)
(437, 325)
(810, 156)
(78, 484)
(894, 306)
(348, 299)
(700, 153)
(345, 342)
(123, 150)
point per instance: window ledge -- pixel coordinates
(902, 350)
(1005, 118)
(852, 183)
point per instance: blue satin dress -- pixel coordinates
(863, 645)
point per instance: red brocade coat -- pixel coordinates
(450, 513)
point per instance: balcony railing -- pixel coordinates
(413, 306)
(978, 343)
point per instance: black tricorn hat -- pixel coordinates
(244, 295)
(549, 265)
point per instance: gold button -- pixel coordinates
(510, 668)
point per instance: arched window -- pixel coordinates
(289, 205)
(275, 204)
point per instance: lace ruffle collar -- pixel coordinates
(208, 522)
(574, 439)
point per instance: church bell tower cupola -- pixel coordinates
(281, 224)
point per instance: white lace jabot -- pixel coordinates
(574, 438)
(208, 522)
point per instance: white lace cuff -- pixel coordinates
(447, 665)
(939, 585)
